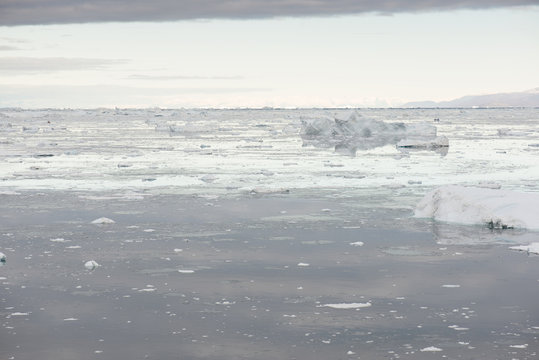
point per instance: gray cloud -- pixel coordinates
(52, 64)
(26, 12)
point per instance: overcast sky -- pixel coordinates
(254, 53)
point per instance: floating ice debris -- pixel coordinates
(357, 243)
(523, 346)
(2, 257)
(358, 132)
(531, 248)
(71, 319)
(186, 271)
(458, 328)
(348, 305)
(350, 352)
(424, 143)
(303, 264)
(91, 264)
(497, 209)
(20, 314)
(178, 250)
(59, 240)
(73, 247)
(103, 220)
(451, 286)
(431, 348)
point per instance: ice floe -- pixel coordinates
(103, 220)
(348, 305)
(495, 208)
(2, 257)
(91, 264)
(531, 248)
(431, 348)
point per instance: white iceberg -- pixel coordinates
(2, 257)
(358, 132)
(498, 209)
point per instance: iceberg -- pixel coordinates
(347, 135)
(495, 208)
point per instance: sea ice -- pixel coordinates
(2, 257)
(103, 220)
(91, 264)
(431, 348)
(348, 305)
(531, 248)
(498, 209)
(358, 132)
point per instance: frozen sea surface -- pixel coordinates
(233, 152)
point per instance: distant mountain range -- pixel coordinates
(529, 98)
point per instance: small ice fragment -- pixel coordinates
(20, 314)
(450, 286)
(103, 220)
(59, 240)
(178, 250)
(303, 264)
(357, 243)
(71, 319)
(2, 257)
(326, 210)
(186, 271)
(73, 247)
(91, 264)
(431, 348)
(348, 306)
(350, 352)
(523, 346)
(148, 230)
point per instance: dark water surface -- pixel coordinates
(249, 278)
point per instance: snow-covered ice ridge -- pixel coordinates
(239, 152)
(496, 208)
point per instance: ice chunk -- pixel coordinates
(497, 209)
(355, 132)
(431, 348)
(91, 264)
(357, 243)
(2, 257)
(103, 220)
(531, 248)
(348, 305)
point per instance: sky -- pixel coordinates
(258, 53)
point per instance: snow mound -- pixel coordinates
(497, 209)
(360, 133)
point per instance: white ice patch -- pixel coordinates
(531, 248)
(301, 264)
(431, 348)
(499, 209)
(451, 286)
(357, 243)
(348, 305)
(186, 271)
(103, 220)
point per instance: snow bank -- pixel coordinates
(358, 132)
(498, 209)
